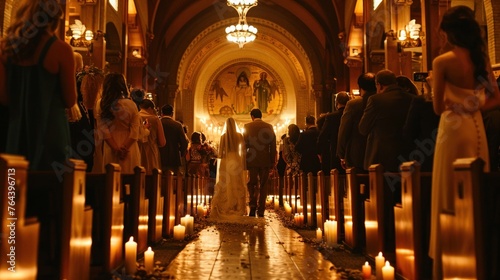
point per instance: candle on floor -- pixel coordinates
(130, 256)
(188, 223)
(179, 232)
(388, 271)
(367, 271)
(199, 211)
(319, 234)
(379, 263)
(149, 257)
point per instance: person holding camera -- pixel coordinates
(462, 85)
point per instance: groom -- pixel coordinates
(260, 142)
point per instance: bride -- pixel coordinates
(229, 199)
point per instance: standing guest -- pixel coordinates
(462, 84)
(82, 130)
(307, 146)
(328, 135)
(351, 144)
(260, 142)
(421, 128)
(150, 149)
(118, 123)
(290, 154)
(195, 156)
(407, 85)
(177, 141)
(281, 168)
(37, 82)
(383, 120)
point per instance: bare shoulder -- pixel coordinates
(62, 49)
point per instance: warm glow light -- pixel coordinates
(241, 33)
(89, 35)
(402, 35)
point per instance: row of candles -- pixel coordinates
(384, 270)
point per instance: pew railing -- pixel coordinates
(19, 259)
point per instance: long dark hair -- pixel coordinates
(464, 31)
(114, 87)
(32, 19)
(293, 133)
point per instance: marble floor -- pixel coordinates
(251, 248)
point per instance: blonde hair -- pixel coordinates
(32, 19)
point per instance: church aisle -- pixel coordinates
(257, 248)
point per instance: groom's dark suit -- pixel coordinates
(260, 141)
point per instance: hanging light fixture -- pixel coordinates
(241, 33)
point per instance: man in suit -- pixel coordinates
(260, 141)
(383, 120)
(177, 141)
(307, 146)
(351, 144)
(328, 135)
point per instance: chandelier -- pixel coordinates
(241, 33)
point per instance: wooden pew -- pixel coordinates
(469, 232)
(302, 193)
(65, 222)
(354, 215)
(103, 195)
(379, 212)
(156, 204)
(335, 201)
(412, 223)
(19, 235)
(321, 199)
(310, 198)
(168, 189)
(136, 208)
(179, 187)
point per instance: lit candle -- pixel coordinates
(319, 234)
(179, 232)
(199, 211)
(149, 256)
(388, 271)
(367, 271)
(188, 223)
(130, 256)
(379, 263)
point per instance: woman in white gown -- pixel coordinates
(229, 201)
(460, 79)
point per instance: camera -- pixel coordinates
(420, 76)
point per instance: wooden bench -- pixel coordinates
(19, 242)
(335, 201)
(65, 222)
(136, 208)
(354, 215)
(156, 204)
(412, 223)
(103, 195)
(169, 190)
(310, 199)
(383, 191)
(470, 231)
(322, 193)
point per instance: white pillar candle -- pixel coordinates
(199, 210)
(379, 263)
(130, 256)
(179, 232)
(319, 234)
(367, 271)
(190, 224)
(149, 256)
(387, 271)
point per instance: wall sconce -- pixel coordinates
(136, 53)
(355, 52)
(355, 92)
(410, 36)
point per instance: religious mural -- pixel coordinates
(240, 88)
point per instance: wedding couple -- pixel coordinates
(253, 150)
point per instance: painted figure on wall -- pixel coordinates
(243, 99)
(262, 90)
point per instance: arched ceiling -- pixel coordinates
(313, 23)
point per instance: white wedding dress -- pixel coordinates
(229, 201)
